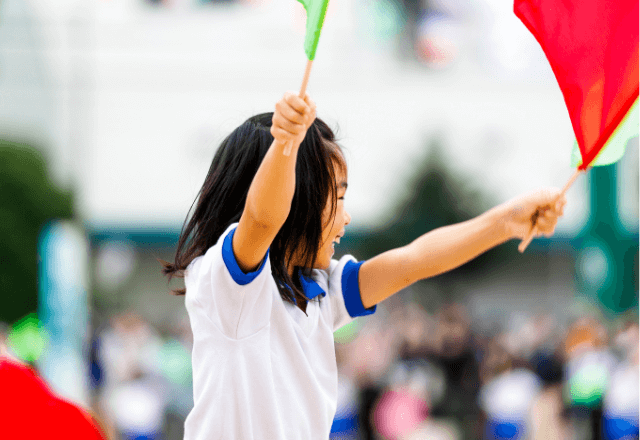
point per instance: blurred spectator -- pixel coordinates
(439, 33)
(345, 423)
(547, 420)
(435, 430)
(620, 407)
(372, 354)
(133, 393)
(402, 407)
(414, 381)
(589, 364)
(136, 407)
(175, 361)
(454, 353)
(432, 30)
(507, 394)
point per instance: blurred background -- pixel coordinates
(111, 111)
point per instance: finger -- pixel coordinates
(539, 232)
(542, 224)
(310, 111)
(547, 225)
(562, 199)
(550, 216)
(548, 232)
(296, 103)
(558, 210)
(281, 122)
(549, 211)
(289, 113)
(281, 134)
(309, 101)
(310, 117)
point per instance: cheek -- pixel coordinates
(340, 217)
(329, 222)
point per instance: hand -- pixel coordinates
(539, 208)
(292, 119)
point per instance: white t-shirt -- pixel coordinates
(262, 369)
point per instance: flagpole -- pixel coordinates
(534, 227)
(303, 89)
(305, 80)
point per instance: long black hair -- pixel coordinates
(222, 197)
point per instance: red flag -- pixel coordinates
(29, 410)
(592, 46)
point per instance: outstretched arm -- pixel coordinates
(446, 248)
(271, 191)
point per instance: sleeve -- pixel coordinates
(344, 291)
(238, 303)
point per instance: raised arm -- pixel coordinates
(271, 191)
(446, 248)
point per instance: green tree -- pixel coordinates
(28, 199)
(437, 196)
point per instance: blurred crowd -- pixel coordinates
(404, 374)
(141, 377)
(410, 374)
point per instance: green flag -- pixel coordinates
(613, 150)
(316, 10)
(28, 339)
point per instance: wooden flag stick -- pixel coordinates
(303, 89)
(305, 80)
(534, 227)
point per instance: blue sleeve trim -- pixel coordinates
(230, 261)
(351, 291)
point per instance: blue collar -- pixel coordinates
(310, 288)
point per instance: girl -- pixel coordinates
(264, 295)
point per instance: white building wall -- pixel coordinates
(140, 97)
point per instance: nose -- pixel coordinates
(347, 218)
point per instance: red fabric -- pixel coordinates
(29, 410)
(592, 46)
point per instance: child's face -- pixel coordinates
(333, 227)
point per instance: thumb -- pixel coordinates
(547, 197)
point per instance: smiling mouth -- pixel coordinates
(336, 241)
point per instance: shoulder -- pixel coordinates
(343, 274)
(341, 282)
(330, 279)
(209, 254)
(221, 255)
(218, 292)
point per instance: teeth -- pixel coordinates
(338, 240)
